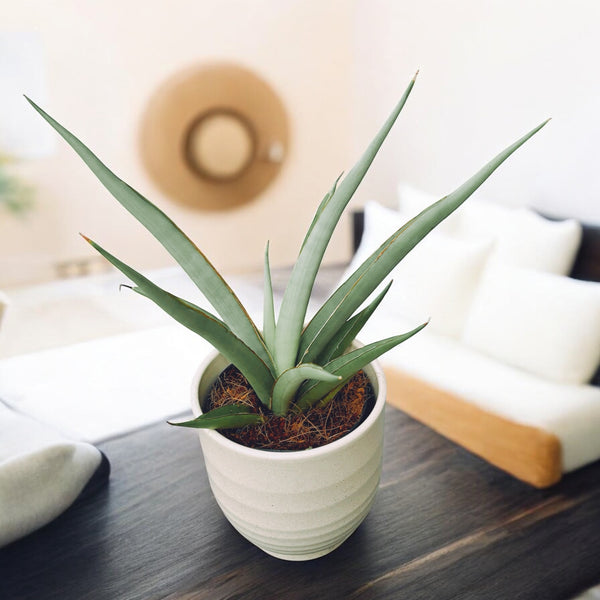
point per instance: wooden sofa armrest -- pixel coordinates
(528, 453)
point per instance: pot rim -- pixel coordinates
(291, 455)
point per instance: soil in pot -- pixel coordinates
(314, 428)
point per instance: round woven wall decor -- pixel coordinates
(214, 136)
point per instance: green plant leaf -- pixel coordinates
(353, 292)
(342, 339)
(348, 364)
(268, 307)
(323, 204)
(297, 293)
(289, 381)
(231, 416)
(204, 324)
(183, 250)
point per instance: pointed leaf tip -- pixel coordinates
(416, 75)
(543, 124)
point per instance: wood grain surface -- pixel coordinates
(445, 524)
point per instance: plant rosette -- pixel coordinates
(300, 504)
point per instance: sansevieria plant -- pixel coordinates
(291, 365)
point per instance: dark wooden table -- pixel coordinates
(444, 525)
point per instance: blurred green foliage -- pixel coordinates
(17, 197)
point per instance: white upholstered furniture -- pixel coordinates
(504, 366)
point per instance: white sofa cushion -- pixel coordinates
(545, 324)
(523, 238)
(379, 223)
(571, 412)
(411, 201)
(436, 280)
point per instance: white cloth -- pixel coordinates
(41, 474)
(99, 389)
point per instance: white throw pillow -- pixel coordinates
(380, 222)
(411, 201)
(480, 218)
(436, 280)
(543, 323)
(523, 238)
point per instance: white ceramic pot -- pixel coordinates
(295, 505)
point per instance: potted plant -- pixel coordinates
(251, 397)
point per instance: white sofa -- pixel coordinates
(505, 364)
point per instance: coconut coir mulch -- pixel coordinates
(314, 428)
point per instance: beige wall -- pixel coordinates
(103, 61)
(490, 71)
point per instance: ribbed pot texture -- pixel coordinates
(296, 505)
